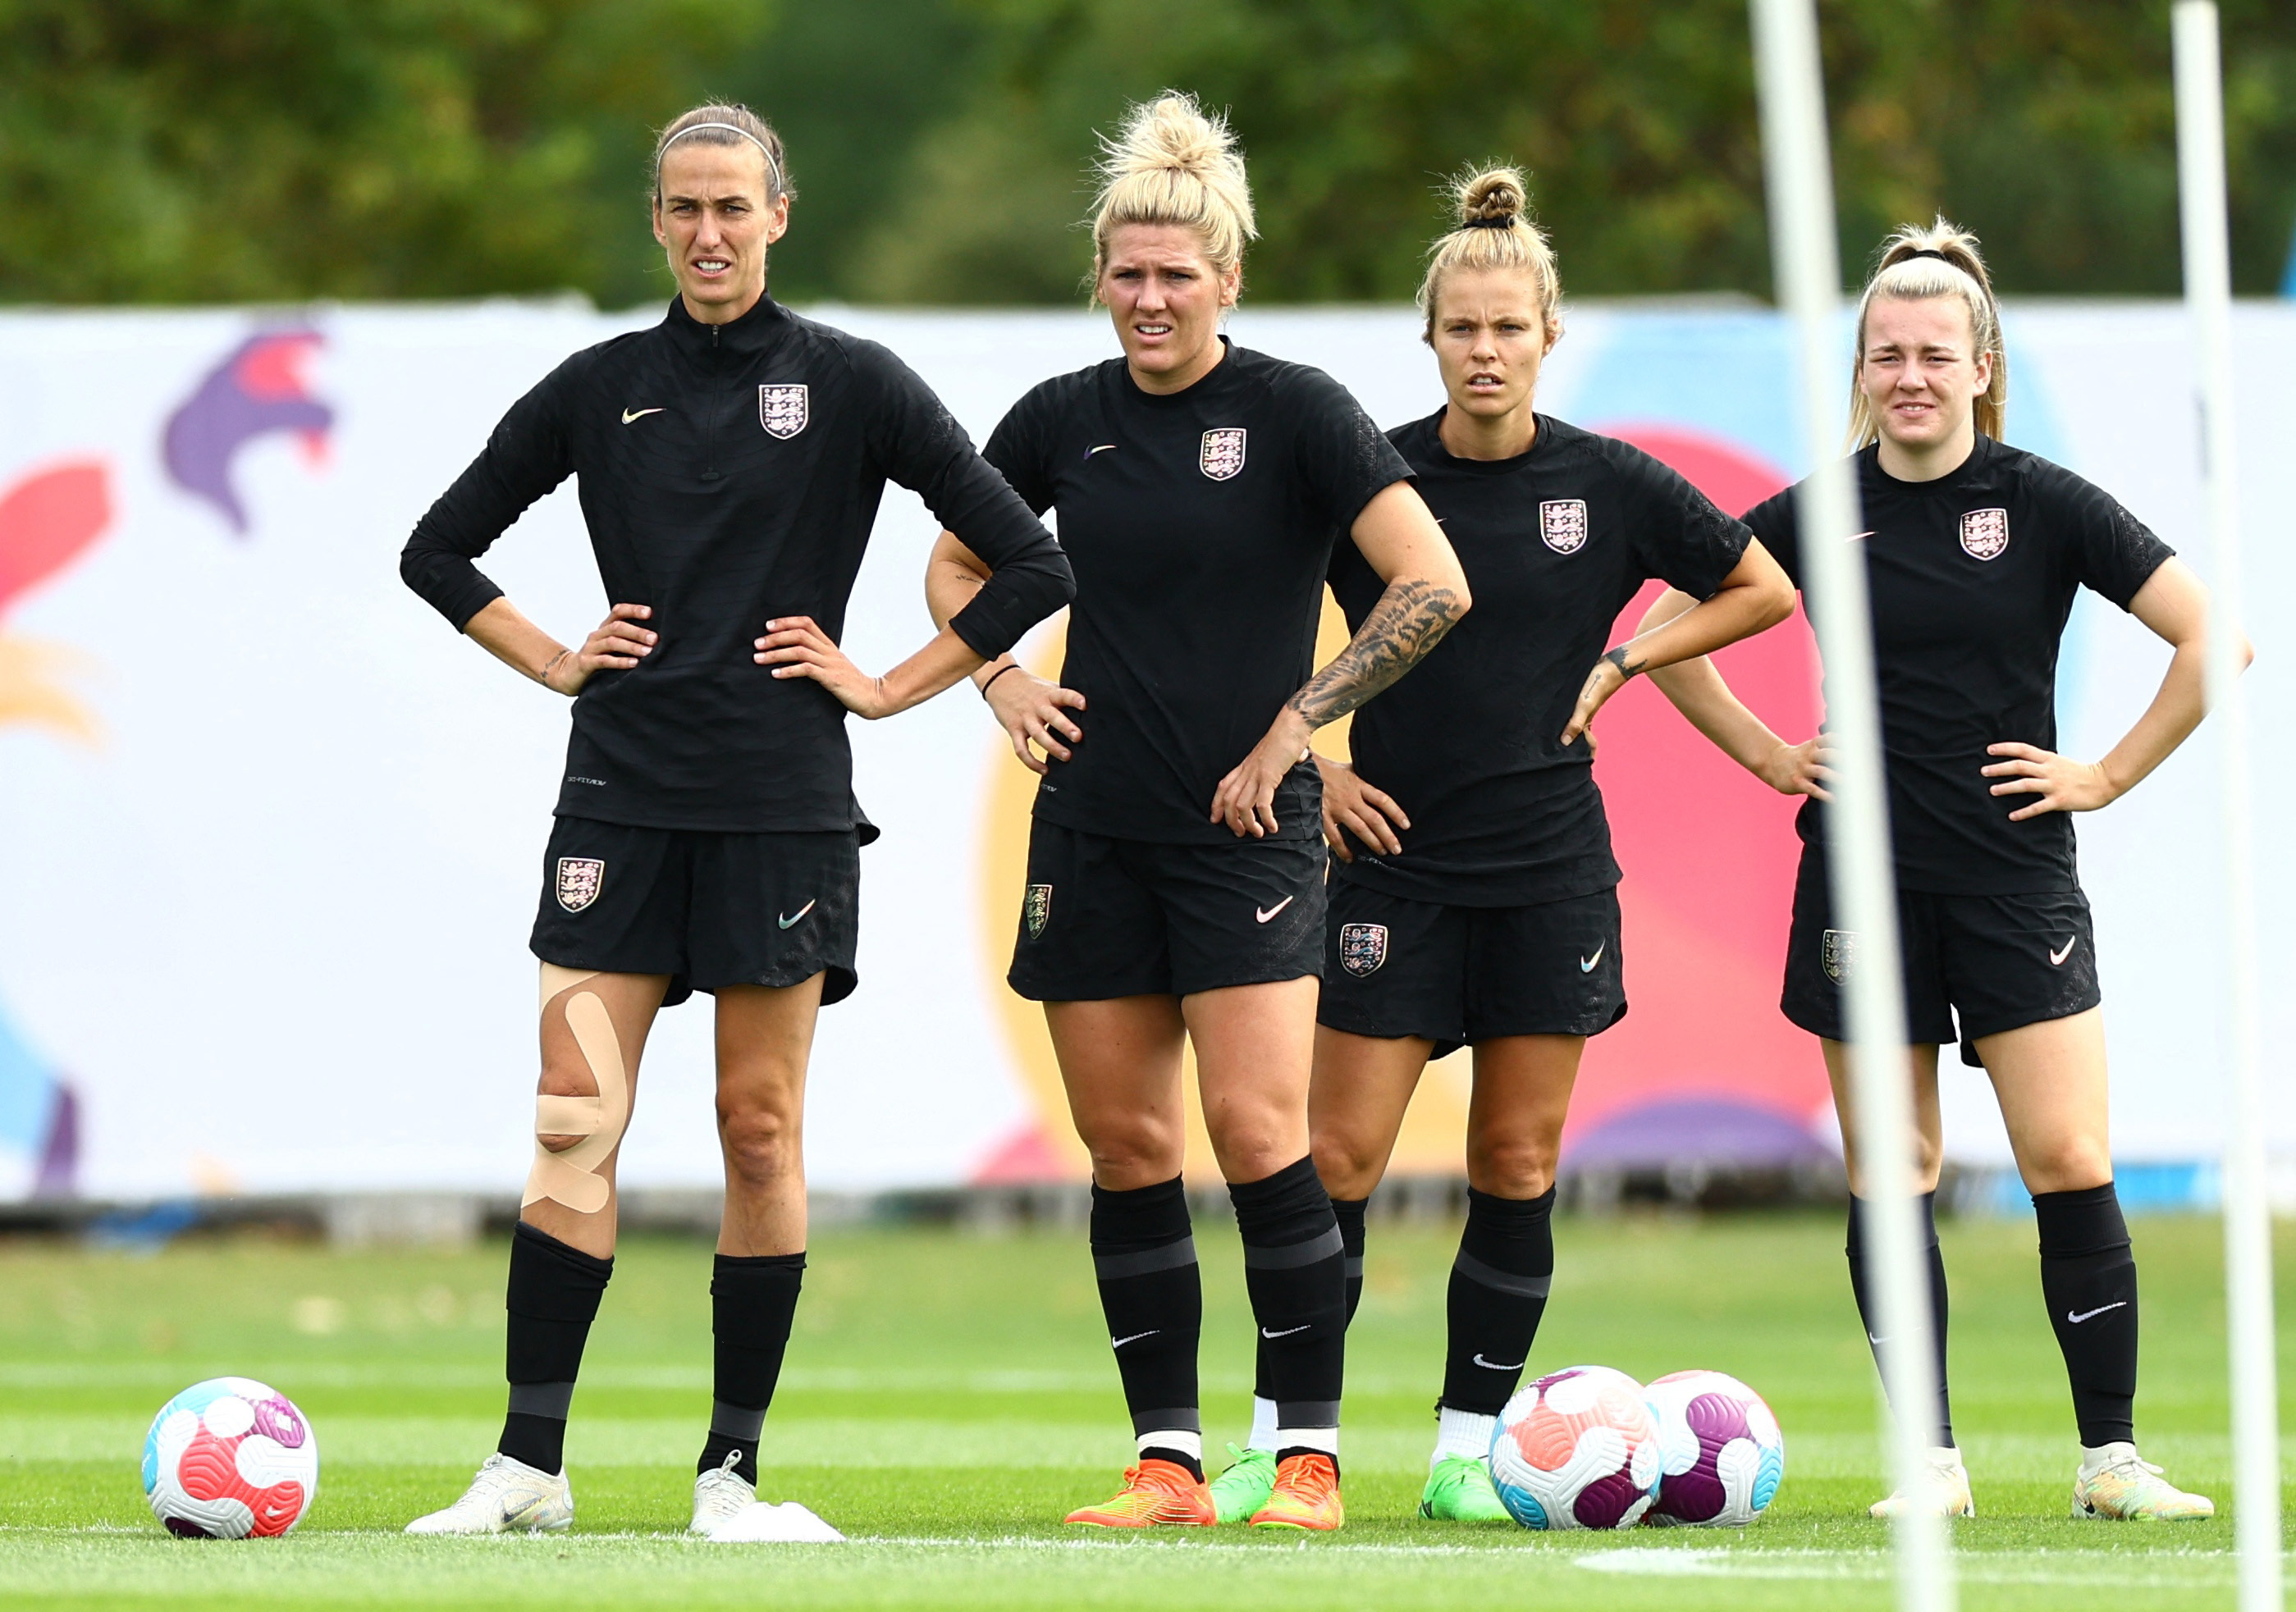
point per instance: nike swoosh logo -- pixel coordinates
(1271, 911)
(1287, 1331)
(1492, 1365)
(790, 920)
(1876, 1342)
(2057, 959)
(1587, 964)
(1859, 536)
(1102, 448)
(630, 414)
(2119, 1303)
(1118, 1343)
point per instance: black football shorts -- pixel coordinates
(1993, 962)
(706, 909)
(1458, 975)
(1103, 917)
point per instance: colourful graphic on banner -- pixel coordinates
(257, 389)
(48, 520)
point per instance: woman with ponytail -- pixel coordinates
(1975, 553)
(1176, 875)
(1474, 898)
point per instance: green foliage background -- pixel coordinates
(188, 151)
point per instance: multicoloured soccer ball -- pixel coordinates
(230, 1458)
(1577, 1449)
(1722, 1456)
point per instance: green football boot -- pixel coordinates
(1242, 1492)
(1459, 1490)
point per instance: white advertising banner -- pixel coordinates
(271, 835)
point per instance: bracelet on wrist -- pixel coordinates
(1010, 666)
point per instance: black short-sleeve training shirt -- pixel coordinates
(1972, 577)
(729, 474)
(1555, 542)
(1199, 524)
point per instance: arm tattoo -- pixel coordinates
(1626, 669)
(1410, 619)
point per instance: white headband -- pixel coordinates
(771, 166)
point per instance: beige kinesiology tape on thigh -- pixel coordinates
(571, 1177)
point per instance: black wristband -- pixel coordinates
(993, 676)
(1616, 658)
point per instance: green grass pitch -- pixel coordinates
(949, 1396)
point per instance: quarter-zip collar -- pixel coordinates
(752, 333)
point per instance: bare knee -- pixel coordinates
(1132, 1151)
(760, 1141)
(1254, 1147)
(1513, 1166)
(1349, 1166)
(2073, 1165)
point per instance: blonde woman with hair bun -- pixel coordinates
(1175, 871)
(1975, 552)
(1473, 899)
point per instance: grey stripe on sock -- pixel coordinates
(734, 1421)
(1506, 1281)
(1306, 1413)
(1355, 1268)
(1115, 1267)
(550, 1399)
(1294, 1255)
(1181, 1419)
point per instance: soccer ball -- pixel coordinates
(229, 1458)
(1721, 1454)
(1577, 1449)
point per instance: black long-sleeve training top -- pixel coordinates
(729, 475)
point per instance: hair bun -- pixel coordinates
(1500, 194)
(1174, 134)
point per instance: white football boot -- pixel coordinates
(1943, 1489)
(2115, 1483)
(506, 1497)
(719, 1493)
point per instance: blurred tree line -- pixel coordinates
(183, 151)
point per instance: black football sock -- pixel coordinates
(1143, 1253)
(751, 1301)
(1498, 1294)
(1349, 1213)
(1925, 1222)
(2089, 1278)
(552, 1297)
(1295, 1270)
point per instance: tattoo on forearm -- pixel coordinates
(1626, 667)
(1410, 619)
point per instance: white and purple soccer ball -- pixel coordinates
(230, 1459)
(1722, 1456)
(1577, 1449)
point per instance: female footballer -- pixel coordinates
(1176, 867)
(731, 459)
(1474, 898)
(1975, 552)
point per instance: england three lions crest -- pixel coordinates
(1221, 456)
(1838, 954)
(579, 881)
(1985, 533)
(783, 410)
(1363, 947)
(1037, 909)
(1562, 524)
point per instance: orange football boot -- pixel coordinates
(1156, 1495)
(1307, 1495)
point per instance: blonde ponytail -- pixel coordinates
(1495, 232)
(1175, 163)
(1916, 265)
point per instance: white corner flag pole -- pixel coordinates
(1800, 180)
(2247, 1215)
